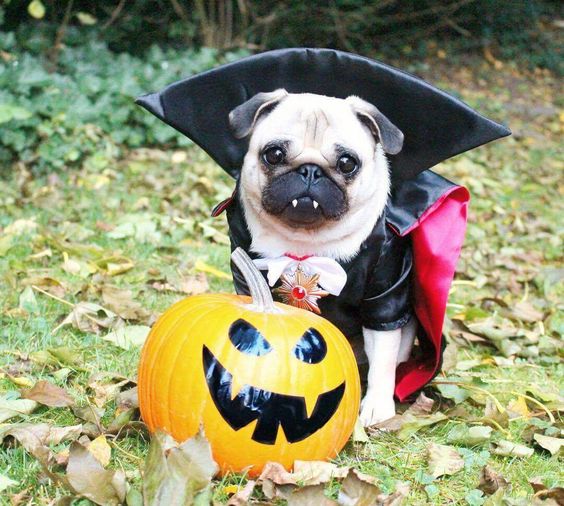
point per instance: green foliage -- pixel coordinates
(521, 29)
(83, 112)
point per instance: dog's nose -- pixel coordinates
(310, 172)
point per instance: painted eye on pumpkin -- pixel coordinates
(311, 348)
(248, 339)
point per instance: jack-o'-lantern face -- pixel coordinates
(265, 387)
(271, 410)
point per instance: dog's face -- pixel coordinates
(314, 161)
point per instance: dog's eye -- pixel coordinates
(274, 155)
(311, 348)
(347, 164)
(248, 339)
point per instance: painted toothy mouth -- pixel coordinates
(268, 408)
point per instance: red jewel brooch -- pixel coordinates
(301, 290)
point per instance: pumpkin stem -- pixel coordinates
(259, 289)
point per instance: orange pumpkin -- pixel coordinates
(268, 382)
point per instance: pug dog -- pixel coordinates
(314, 182)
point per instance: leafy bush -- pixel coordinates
(84, 111)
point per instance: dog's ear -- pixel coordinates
(243, 118)
(384, 131)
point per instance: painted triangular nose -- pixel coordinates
(152, 102)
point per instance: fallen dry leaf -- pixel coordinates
(411, 424)
(106, 386)
(127, 399)
(310, 495)
(48, 394)
(492, 412)
(471, 436)
(30, 435)
(88, 478)
(101, 450)
(129, 336)
(193, 285)
(276, 481)
(89, 413)
(177, 474)
(35, 439)
(10, 408)
(443, 460)
(491, 481)
(358, 489)
(423, 405)
(552, 444)
(121, 302)
(545, 496)
(511, 449)
(241, 498)
(90, 317)
(316, 472)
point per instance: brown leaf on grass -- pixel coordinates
(491, 481)
(492, 412)
(128, 336)
(546, 496)
(358, 489)
(396, 498)
(275, 481)
(450, 355)
(190, 285)
(316, 472)
(62, 355)
(471, 436)
(35, 439)
(89, 413)
(101, 450)
(523, 311)
(518, 408)
(106, 386)
(193, 285)
(310, 495)
(127, 422)
(47, 284)
(90, 317)
(412, 424)
(241, 498)
(537, 483)
(58, 435)
(89, 479)
(444, 460)
(277, 474)
(121, 302)
(552, 444)
(30, 435)
(10, 408)
(423, 405)
(177, 474)
(127, 399)
(392, 424)
(48, 394)
(511, 449)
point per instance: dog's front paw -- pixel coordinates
(376, 408)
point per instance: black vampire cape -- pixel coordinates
(407, 263)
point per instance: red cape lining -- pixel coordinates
(437, 238)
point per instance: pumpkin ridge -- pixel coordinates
(156, 350)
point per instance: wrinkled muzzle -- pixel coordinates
(304, 197)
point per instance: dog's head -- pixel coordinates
(314, 161)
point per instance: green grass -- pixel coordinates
(512, 254)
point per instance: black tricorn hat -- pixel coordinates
(436, 125)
